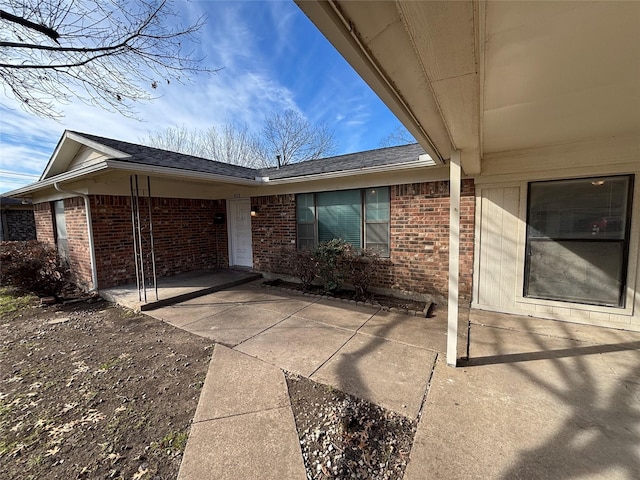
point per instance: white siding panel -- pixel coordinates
(498, 231)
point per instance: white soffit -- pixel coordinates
(560, 72)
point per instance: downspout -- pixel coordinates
(92, 252)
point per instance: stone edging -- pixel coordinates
(413, 313)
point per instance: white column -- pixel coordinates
(454, 257)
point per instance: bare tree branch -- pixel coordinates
(110, 53)
(398, 136)
(230, 143)
(291, 136)
(49, 32)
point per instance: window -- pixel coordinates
(359, 217)
(60, 226)
(578, 240)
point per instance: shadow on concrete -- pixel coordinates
(549, 354)
(599, 388)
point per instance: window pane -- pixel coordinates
(377, 204)
(306, 235)
(573, 270)
(304, 209)
(593, 208)
(378, 238)
(340, 216)
(577, 244)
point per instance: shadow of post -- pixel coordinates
(600, 435)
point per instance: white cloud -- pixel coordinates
(264, 68)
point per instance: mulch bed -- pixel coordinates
(345, 437)
(386, 302)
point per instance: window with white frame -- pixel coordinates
(359, 217)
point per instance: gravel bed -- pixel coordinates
(345, 437)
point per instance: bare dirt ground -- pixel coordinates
(95, 391)
(92, 390)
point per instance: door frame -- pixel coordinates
(231, 226)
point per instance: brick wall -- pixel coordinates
(420, 238)
(419, 260)
(185, 237)
(18, 225)
(44, 223)
(78, 241)
(273, 231)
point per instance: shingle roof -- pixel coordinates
(7, 201)
(353, 161)
(164, 158)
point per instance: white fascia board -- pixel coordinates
(63, 177)
(178, 173)
(111, 152)
(72, 136)
(360, 171)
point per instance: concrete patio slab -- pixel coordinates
(185, 313)
(421, 332)
(288, 304)
(296, 344)
(541, 326)
(391, 374)
(177, 288)
(235, 325)
(338, 314)
(537, 406)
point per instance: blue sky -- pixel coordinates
(271, 58)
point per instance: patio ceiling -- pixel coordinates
(487, 77)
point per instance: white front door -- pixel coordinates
(240, 251)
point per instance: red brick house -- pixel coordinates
(206, 214)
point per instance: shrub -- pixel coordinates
(360, 266)
(32, 266)
(328, 255)
(303, 266)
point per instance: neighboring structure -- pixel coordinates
(16, 220)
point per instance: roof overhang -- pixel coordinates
(67, 147)
(488, 77)
(420, 59)
(423, 162)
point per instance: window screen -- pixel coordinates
(578, 240)
(377, 220)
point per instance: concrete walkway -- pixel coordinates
(538, 399)
(243, 427)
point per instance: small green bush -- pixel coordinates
(32, 266)
(328, 255)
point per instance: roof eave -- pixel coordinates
(360, 171)
(179, 173)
